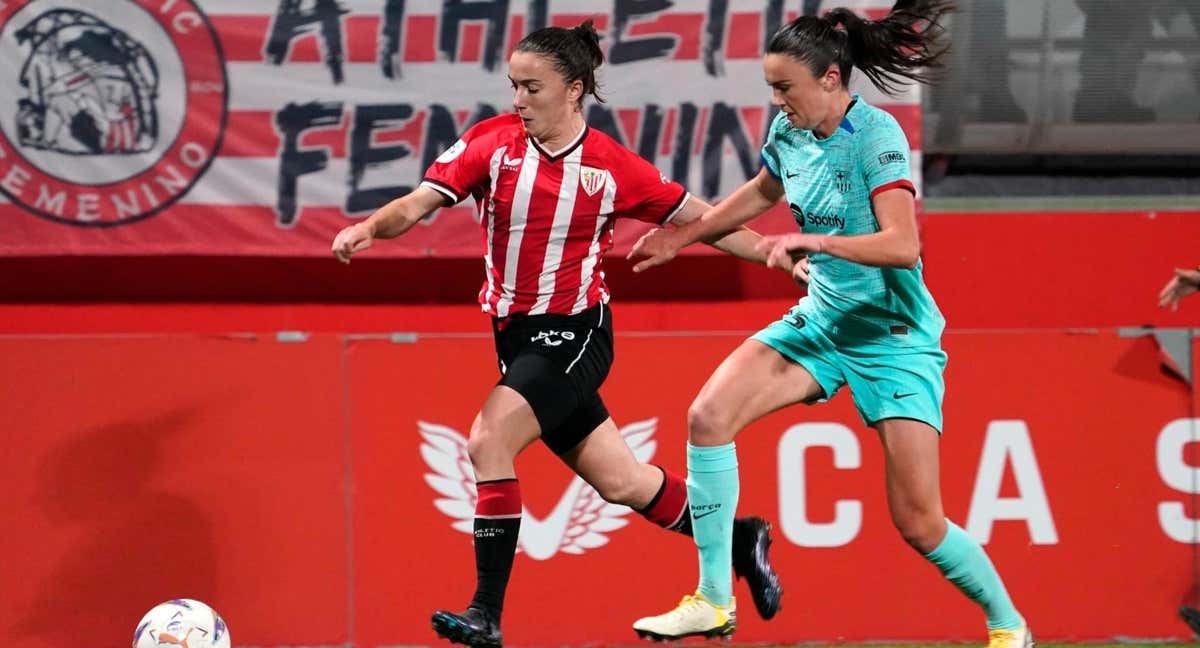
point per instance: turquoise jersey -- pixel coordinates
(829, 183)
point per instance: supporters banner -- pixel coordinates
(317, 493)
(142, 127)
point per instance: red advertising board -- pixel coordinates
(987, 271)
(306, 490)
(138, 470)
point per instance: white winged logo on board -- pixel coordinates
(581, 519)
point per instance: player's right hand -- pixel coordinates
(1184, 283)
(783, 250)
(800, 272)
(355, 238)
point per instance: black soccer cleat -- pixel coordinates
(474, 627)
(751, 540)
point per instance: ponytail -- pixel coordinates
(902, 46)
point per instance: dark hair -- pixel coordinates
(898, 47)
(575, 51)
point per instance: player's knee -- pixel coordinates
(477, 448)
(921, 529)
(708, 424)
(617, 489)
(486, 446)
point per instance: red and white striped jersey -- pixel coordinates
(547, 218)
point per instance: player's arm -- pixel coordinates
(896, 244)
(714, 224)
(389, 221)
(740, 242)
(1185, 282)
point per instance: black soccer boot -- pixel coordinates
(475, 627)
(751, 540)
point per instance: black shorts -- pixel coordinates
(557, 363)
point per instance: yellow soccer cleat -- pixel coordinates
(695, 616)
(1019, 638)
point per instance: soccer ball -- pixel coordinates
(184, 623)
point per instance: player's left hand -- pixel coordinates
(656, 247)
(1184, 283)
(783, 249)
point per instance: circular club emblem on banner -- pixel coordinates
(109, 111)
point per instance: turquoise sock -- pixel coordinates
(712, 485)
(963, 562)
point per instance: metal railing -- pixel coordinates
(1069, 76)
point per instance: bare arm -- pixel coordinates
(396, 217)
(747, 202)
(896, 244)
(720, 226)
(740, 242)
(389, 221)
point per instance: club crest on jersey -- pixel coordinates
(108, 121)
(592, 179)
(841, 180)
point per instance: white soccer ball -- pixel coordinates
(182, 623)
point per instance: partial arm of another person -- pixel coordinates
(741, 242)
(897, 244)
(719, 225)
(389, 221)
(1184, 283)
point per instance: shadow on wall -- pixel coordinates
(131, 545)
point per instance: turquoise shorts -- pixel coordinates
(886, 382)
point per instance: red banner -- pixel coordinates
(308, 491)
(220, 127)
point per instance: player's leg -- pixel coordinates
(910, 450)
(782, 365)
(589, 442)
(503, 428)
(604, 459)
(532, 397)
(608, 459)
(900, 395)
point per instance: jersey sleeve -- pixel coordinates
(885, 158)
(770, 150)
(462, 167)
(644, 193)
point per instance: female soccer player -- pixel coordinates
(548, 190)
(867, 322)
